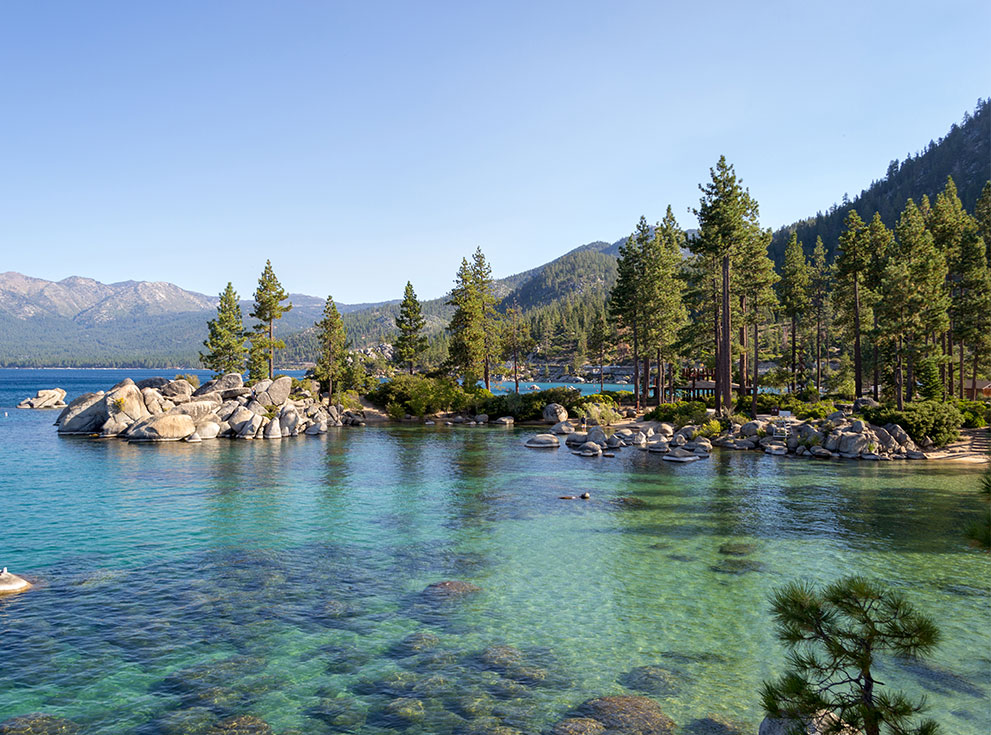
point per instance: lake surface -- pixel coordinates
(178, 583)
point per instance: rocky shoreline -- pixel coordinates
(162, 410)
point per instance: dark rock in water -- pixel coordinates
(695, 658)
(449, 590)
(405, 709)
(342, 658)
(39, 724)
(488, 726)
(435, 659)
(628, 715)
(432, 686)
(578, 726)
(242, 725)
(337, 609)
(713, 725)
(631, 503)
(219, 699)
(528, 675)
(737, 566)
(415, 643)
(737, 549)
(650, 679)
(190, 721)
(393, 684)
(500, 658)
(340, 712)
(680, 557)
(474, 705)
(507, 688)
(660, 545)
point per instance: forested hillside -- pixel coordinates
(963, 153)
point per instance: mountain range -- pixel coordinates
(81, 322)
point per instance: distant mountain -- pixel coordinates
(964, 153)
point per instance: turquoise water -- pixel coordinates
(179, 584)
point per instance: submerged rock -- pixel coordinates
(628, 715)
(39, 724)
(737, 548)
(650, 679)
(452, 589)
(242, 725)
(578, 726)
(712, 725)
(500, 658)
(543, 441)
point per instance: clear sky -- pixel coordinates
(362, 144)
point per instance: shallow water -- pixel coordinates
(178, 583)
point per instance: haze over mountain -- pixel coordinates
(79, 321)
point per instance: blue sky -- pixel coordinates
(359, 145)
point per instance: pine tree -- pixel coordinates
(268, 308)
(971, 307)
(851, 262)
(625, 304)
(835, 636)
(949, 224)
(257, 363)
(794, 295)
(599, 341)
(483, 291)
(879, 243)
(820, 283)
(758, 295)
(410, 323)
(467, 330)
(666, 306)
(724, 212)
(226, 340)
(332, 360)
(517, 341)
(982, 214)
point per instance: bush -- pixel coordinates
(602, 413)
(975, 413)
(304, 384)
(193, 380)
(680, 413)
(419, 395)
(787, 402)
(395, 411)
(817, 410)
(530, 406)
(348, 400)
(711, 428)
(935, 419)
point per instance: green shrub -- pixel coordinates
(304, 384)
(975, 413)
(530, 406)
(419, 395)
(396, 411)
(680, 413)
(935, 419)
(348, 400)
(193, 380)
(817, 410)
(711, 429)
(602, 413)
(739, 418)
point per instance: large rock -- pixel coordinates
(162, 428)
(563, 427)
(275, 393)
(597, 436)
(543, 441)
(155, 402)
(85, 415)
(230, 381)
(628, 715)
(125, 403)
(590, 449)
(11, 583)
(555, 413)
(273, 429)
(504, 421)
(45, 398)
(576, 439)
(853, 443)
(39, 724)
(823, 722)
(177, 391)
(859, 404)
(751, 428)
(152, 383)
(197, 409)
(208, 429)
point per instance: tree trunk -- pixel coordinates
(753, 400)
(858, 368)
(942, 367)
(658, 381)
(636, 368)
(794, 351)
(961, 369)
(727, 378)
(646, 380)
(877, 371)
(516, 367)
(743, 346)
(486, 371)
(898, 377)
(662, 388)
(949, 363)
(602, 359)
(819, 354)
(271, 349)
(718, 374)
(973, 386)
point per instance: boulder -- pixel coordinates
(250, 428)
(273, 429)
(857, 426)
(590, 449)
(452, 589)
(597, 436)
(11, 583)
(85, 415)
(152, 383)
(482, 418)
(614, 442)
(274, 394)
(744, 444)
(628, 715)
(318, 427)
(576, 439)
(543, 441)
(504, 421)
(859, 404)
(836, 416)
(39, 724)
(230, 381)
(197, 409)
(852, 443)
(554, 413)
(659, 446)
(751, 428)
(578, 726)
(664, 429)
(680, 455)
(239, 418)
(651, 680)
(45, 398)
(161, 428)
(823, 722)
(820, 452)
(289, 420)
(778, 450)
(563, 427)
(897, 433)
(208, 429)
(177, 389)
(154, 401)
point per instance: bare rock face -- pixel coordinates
(230, 381)
(178, 391)
(125, 403)
(555, 413)
(275, 392)
(162, 428)
(45, 398)
(85, 415)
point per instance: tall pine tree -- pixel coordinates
(332, 360)
(226, 340)
(410, 322)
(268, 308)
(851, 263)
(466, 351)
(794, 288)
(820, 286)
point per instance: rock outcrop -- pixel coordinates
(161, 410)
(45, 398)
(11, 584)
(555, 413)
